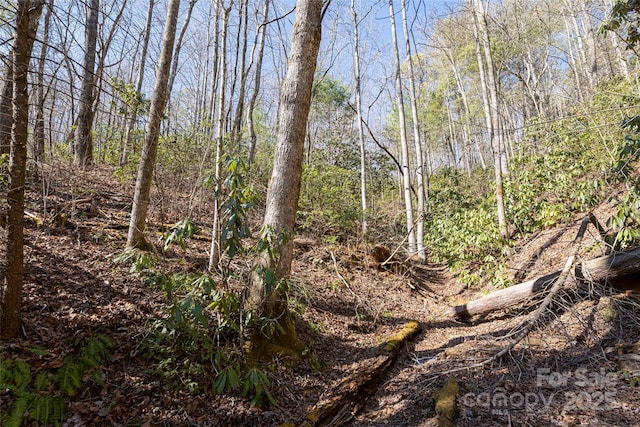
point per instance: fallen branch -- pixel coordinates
(343, 403)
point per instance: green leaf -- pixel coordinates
(22, 375)
(48, 410)
(98, 377)
(18, 410)
(69, 377)
(42, 381)
(39, 351)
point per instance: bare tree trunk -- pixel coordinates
(236, 129)
(465, 103)
(73, 118)
(404, 145)
(131, 123)
(570, 10)
(214, 254)
(39, 137)
(420, 175)
(256, 87)
(6, 116)
(573, 63)
(103, 46)
(27, 17)
(358, 89)
(621, 60)
(176, 55)
(83, 155)
(137, 225)
(264, 298)
(493, 113)
(589, 32)
(215, 62)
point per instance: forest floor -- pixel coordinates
(569, 371)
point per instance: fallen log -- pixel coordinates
(600, 270)
(347, 395)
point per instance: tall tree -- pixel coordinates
(137, 224)
(404, 145)
(178, 47)
(417, 141)
(256, 86)
(214, 254)
(27, 17)
(39, 138)
(359, 125)
(241, 54)
(6, 117)
(264, 298)
(124, 154)
(492, 109)
(83, 156)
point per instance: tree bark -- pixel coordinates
(493, 113)
(263, 297)
(131, 123)
(404, 145)
(83, 155)
(39, 134)
(256, 87)
(417, 140)
(27, 17)
(607, 268)
(137, 225)
(360, 127)
(176, 55)
(6, 116)
(236, 129)
(214, 254)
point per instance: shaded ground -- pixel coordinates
(74, 290)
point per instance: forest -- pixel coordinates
(319, 212)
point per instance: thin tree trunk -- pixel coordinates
(27, 17)
(465, 104)
(39, 137)
(244, 72)
(214, 253)
(621, 60)
(178, 47)
(84, 141)
(215, 65)
(573, 63)
(256, 87)
(493, 114)
(420, 175)
(6, 116)
(131, 123)
(591, 41)
(404, 145)
(137, 225)
(358, 89)
(570, 10)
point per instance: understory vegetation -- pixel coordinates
(564, 168)
(517, 126)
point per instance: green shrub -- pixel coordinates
(44, 398)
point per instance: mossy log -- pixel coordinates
(348, 394)
(604, 269)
